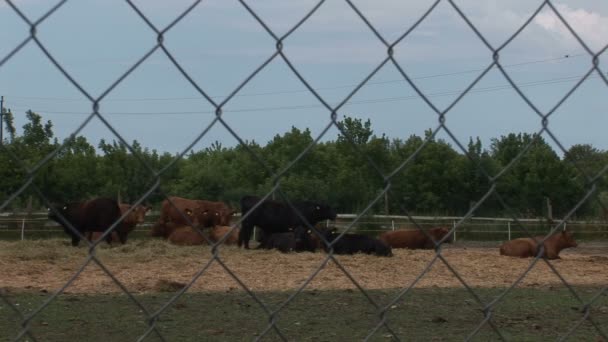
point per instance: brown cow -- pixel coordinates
(414, 239)
(186, 236)
(135, 217)
(163, 230)
(221, 212)
(218, 232)
(121, 232)
(206, 213)
(528, 247)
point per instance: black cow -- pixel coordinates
(297, 240)
(96, 215)
(356, 243)
(277, 217)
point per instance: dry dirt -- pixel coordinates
(152, 266)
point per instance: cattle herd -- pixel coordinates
(285, 226)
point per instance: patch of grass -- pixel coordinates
(339, 315)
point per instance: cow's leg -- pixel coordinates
(245, 234)
(75, 240)
(109, 239)
(122, 237)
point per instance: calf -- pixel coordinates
(298, 240)
(356, 243)
(414, 239)
(529, 247)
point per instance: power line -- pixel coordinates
(368, 101)
(567, 56)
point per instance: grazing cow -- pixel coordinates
(96, 215)
(277, 217)
(217, 233)
(529, 247)
(414, 239)
(298, 240)
(120, 234)
(185, 211)
(356, 243)
(186, 236)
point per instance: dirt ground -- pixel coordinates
(144, 266)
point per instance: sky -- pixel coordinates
(219, 45)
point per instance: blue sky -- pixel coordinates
(220, 44)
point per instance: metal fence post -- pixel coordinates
(454, 225)
(393, 224)
(509, 229)
(22, 229)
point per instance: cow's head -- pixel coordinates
(195, 217)
(140, 213)
(439, 233)
(225, 215)
(567, 240)
(323, 212)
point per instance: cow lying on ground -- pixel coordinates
(186, 236)
(355, 243)
(96, 215)
(414, 239)
(184, 211)
(135, 217)
(277, 217)
(297, 240)
(217, 233)
(529, 247)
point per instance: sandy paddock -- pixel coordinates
(149, 265)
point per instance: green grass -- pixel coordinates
(342, 315)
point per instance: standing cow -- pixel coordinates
(96, 215)
(135, 217)
(415, 239)
(277, 217)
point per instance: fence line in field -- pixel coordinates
(374, 224)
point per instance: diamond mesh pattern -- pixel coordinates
(96, 112)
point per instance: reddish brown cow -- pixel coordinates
(135, 217)
(218, 232)
(186, 236)
(414, 239)
(121, 232)
(163, 230)
(200, 212)
(528, 247)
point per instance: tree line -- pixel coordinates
(424, 175)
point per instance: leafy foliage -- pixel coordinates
(518, 174)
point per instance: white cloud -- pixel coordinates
(590, 26)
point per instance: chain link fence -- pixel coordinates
(487, 307)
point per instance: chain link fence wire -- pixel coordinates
(151, 318)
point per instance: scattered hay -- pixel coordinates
(153, 265)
